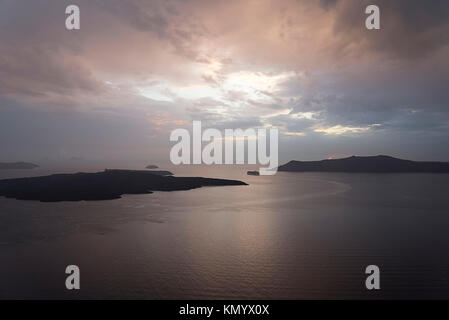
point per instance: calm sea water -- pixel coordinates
(288, 236)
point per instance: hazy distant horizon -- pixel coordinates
(100, 164)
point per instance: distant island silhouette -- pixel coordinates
(104, 185)
(156, 172)
(17, 165)
(374, 164)
(151, 166)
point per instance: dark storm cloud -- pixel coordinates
(387, 95)
(396, 76)
(36, 70)
(328, 4)
(409, 28)
(37, 58)
(158, 17)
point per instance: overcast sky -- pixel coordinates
(138, 69)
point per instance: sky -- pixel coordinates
(136, 70)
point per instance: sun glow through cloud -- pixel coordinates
(339, 129)
(233, 89)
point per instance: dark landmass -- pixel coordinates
(151, 166)
(105, 185)
(156, 172)
(252, 173)
(375, 164)
(17, 165)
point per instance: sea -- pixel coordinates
(286, 236)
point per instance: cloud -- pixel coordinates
(338, 129)
(409, 28)
(309, 68)
(39, 71)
